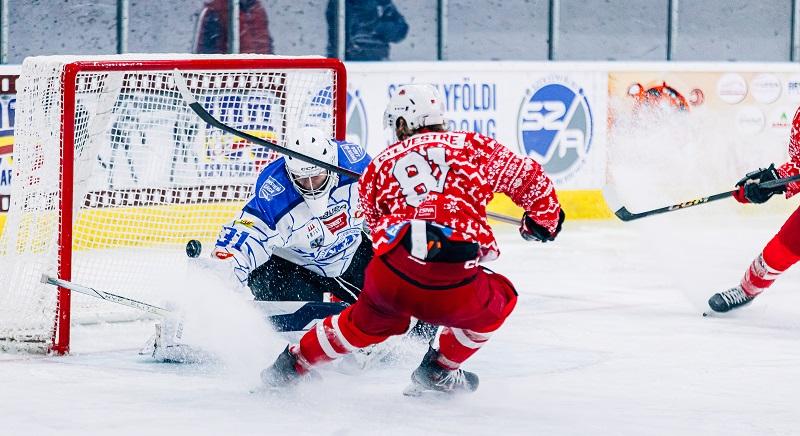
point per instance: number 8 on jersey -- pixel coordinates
(418, 176)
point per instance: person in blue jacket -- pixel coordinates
(370, 25)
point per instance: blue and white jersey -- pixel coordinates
(276, 220)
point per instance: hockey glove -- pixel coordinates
(750, 192)
(530, 230)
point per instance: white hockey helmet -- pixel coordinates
(312, 182)
(419, 104)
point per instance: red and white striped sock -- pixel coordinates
(333, 337)
(770, 263)
(457, 345)
(323, 343)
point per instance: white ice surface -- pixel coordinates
(607, 339)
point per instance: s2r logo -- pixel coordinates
(555, 127)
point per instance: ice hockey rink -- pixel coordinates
(607, 338)
(108, 169)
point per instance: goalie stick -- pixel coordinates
(201, 112)
(285, 316)
(624, 214)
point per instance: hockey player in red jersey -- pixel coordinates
(783, 250)
(424, 198)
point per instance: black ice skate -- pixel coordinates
(730, 299)
(282, 373)
(430, 376)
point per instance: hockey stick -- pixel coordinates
(180, 82)
(201, 112)
(108, 296)
(292, 316)
(504, 218)
(624, 214)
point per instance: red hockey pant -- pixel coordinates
(470, 303)
(778, 255)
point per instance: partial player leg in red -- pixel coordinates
(778, 255)
(472, 301)
(440, 369)
(358, 326)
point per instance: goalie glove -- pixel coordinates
(530, 230)
(750, 192)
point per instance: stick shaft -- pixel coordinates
(625, 215)
(108, 296)
(503, 218)
(285, 316)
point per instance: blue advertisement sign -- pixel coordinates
(555, 126)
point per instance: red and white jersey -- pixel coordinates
(448, 178)
(792, 167)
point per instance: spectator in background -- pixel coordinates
(370, 25)
(212, 29)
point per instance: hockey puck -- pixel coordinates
(193, 248)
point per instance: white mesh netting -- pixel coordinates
(148, 174)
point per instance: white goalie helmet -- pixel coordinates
(312, 182)
(419, 104)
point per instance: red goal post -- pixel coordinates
(137, 174)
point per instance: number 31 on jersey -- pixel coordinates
(418, 175)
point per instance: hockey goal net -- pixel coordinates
(113, 173)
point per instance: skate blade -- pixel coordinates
(259, 390)
(265, 389)
(415, 390)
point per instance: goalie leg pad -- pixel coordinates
(165, 345)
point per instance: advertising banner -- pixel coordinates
(8, 76)
(636, 126)
(556, 117)
(706, 128)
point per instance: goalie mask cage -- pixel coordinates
(113, 173)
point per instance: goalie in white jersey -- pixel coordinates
(299, 236)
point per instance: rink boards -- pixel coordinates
(588, 124)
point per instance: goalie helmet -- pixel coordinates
(419, 104)
(312, 182)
